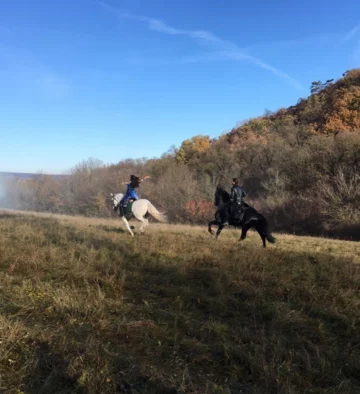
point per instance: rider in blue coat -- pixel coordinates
(130, 192)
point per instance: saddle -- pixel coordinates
(128, 209)
(237, 211)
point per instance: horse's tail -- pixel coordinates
(160, 216)
(267, 233)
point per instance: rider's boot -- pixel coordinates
(121, 210)
(241, 216)
(226, 222)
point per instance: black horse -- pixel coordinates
(251, 218)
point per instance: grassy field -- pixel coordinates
(85, 308)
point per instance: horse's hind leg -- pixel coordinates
(262, 234)
(144, 224)
(127, 225)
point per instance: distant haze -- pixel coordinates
(6, 177)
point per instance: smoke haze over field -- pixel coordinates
(3, 191)
(8, 198)
(14, 188)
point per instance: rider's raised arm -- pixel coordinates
(145, 177)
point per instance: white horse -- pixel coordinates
(139, 209)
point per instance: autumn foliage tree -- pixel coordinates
(199, 211)
(192, 147)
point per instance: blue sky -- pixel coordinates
(115, 79)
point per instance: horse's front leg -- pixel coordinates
(218, 232)
(127, 225)
(212, 223)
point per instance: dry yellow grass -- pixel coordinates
(286, 242)
(85, 308)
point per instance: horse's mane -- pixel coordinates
(221, 190)
(223, 193)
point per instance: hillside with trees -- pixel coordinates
(300, 166)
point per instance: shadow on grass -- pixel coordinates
(7, 216)
(51, 373)
(112, 229)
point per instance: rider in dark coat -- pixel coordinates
(236, 200)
